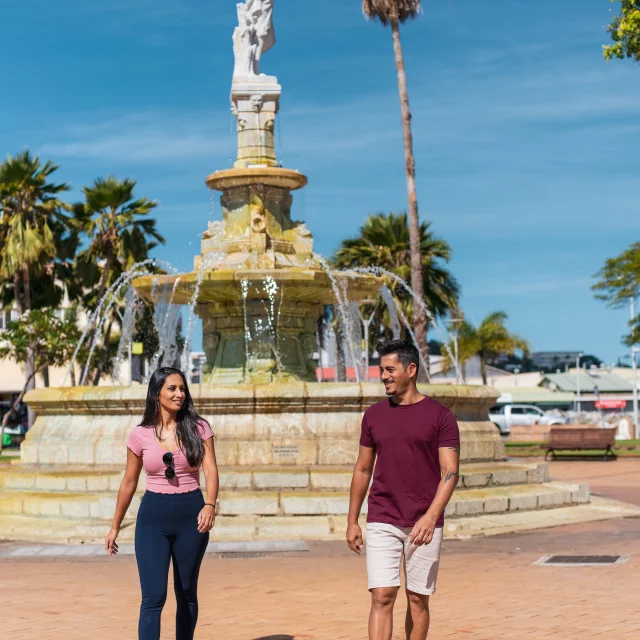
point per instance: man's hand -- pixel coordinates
(422, 532)
(354, 538)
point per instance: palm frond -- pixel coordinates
(389, 10)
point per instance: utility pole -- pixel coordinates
(457, 318)
(578, 382)
(634, 350)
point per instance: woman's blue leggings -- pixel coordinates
(167, 530)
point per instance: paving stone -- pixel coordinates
(321, 594)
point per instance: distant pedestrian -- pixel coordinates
(415, 444)
(172, 443)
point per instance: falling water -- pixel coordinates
(396, 327)
(128, 328)
(445, 336)
(342, 310)
(406, 323)
(271, 288)
(113, 291)
(167, 331)
(98, 334)
(244, 287)
(261, 330)
(184, 360)
(96, 312)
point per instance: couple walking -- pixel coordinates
(409, 444)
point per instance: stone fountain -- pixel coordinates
(285, 444)
(260, 290)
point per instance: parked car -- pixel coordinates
(509, 414)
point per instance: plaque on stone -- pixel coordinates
(285, 451)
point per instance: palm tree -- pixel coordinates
(31, 216)
(394, 13)
(488, 341)
(119, 233)
(384, 241)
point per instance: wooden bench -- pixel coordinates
(589, 439)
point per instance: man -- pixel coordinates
(417, 445)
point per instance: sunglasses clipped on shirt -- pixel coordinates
(169, 472)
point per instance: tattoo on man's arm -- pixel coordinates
(451, 474)
(456, 449)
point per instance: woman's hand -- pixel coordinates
(110, 545)
(206, 518)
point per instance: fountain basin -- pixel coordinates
(259, 325)
(263, 175)
(316, 424)
(224, 285)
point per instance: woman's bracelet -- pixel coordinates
(208, 504)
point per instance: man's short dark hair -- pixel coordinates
(405, 351)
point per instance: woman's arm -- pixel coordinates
(128, 487)
(207, 515)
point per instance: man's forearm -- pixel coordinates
(444, 492)
(359, 486)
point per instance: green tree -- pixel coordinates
(488, 341)
(43, 339)
(625, 32)
(384, 241)
(618, 283)
(120, 233)
(32, 221)
(395, 13)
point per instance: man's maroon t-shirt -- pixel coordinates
(406, 439)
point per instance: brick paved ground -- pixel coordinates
(488, 589)
(619, 480)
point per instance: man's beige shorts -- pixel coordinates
(388, 547)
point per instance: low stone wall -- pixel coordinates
(540, 432)
(279, 424)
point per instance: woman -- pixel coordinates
(174, 521)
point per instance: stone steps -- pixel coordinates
(100, 506)
(297, 478)
(59, 530)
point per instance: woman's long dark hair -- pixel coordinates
(187, 433)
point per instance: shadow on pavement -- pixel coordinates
(278, 637)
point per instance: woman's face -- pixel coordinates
(172, 394)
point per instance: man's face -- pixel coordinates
(394, 376)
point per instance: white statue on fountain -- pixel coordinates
(252, 37)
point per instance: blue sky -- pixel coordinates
(525, 138)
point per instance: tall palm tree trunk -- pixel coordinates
(419, 318)
(16, 293)
(29, 365)
(483, 369)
